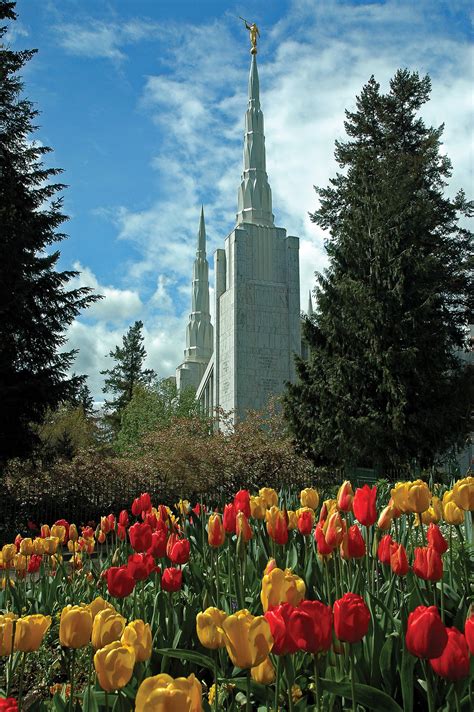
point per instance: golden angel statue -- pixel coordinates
(254, 33)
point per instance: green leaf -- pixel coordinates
(89, 701)
(190, 655)
(368, 696)
(58, 703)
(388, 660)
(406, 680)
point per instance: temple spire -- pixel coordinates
(254, 203)
(201, 243)
(199, 332)
(310, 305)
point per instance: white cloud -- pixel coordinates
(94, 39)
(117, 305)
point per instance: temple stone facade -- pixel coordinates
(257, 294)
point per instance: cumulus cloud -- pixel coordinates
(93, 39)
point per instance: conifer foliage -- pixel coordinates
(384, 384)
(35, 305)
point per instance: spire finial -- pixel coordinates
(310, 305)
(254, 33)
(201, 242)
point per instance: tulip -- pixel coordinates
(242, 527)
(269, 496)
(352, 545)
(229, 518)
(428, 564)
(385, 519)
(9, 552)
(277, 525)
(281, 620)
(107, 627)
(120, 582)
(398, 560)
(124, 518)
(311, 627)
(159, 540)
(334, 530)
(292, 520)
(177, 549)
(281, 586)
(9, 704)
(258, 508)
(172, 579)
(400, 496)
(323, 547)
(75, 626)
(140, 566)
(418, 496)
(309, 497)
(51, 544)
(463, 494)
(453, 663)
(140, 536)
(165, 694)
(384, 549)
(351, 618)
(305, 520)
(59, 531)
(364, 505)
(426, 636)
(183, 506)
(345, 496)
(26, 547)
(114, 665)
(98, 604)
(436, 539)
(38, 546)
(451, 512)
(34, 563)
(101, 537)
(469, 631)
(264, 673)
(6, 633)
(30, 632)
(215, 531)
(209, 628)
(242, 502)
(433, 514)
(137, 635)
(247, 638)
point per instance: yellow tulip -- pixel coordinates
(73, 533)
(20, 563)
(418, 496)
(58, 531)
(248, 638)
(433, 514)
(114, 665)
(8, 553)
(209, 628)
(38, 546)
(75, 627)
(280, 586)
(400, 496)
(309, 497)
(292, 519)
(463, 494)
(30, 632)
(137, 635)
(51, 544)
(451, 512)
(257, 507)
(98, 604)
(107, 627)
(183, 506)
(269, 497)
(162, 693)
(6, 633)
(264, 673)
(26, 547)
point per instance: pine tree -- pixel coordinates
(127, 373)
(35, 305)
(384, 384)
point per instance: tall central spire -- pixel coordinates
(254, 204)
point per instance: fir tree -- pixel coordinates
(35, 305)
(384, 384)
(127, 373)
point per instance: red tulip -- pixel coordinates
(242, 527)
(364, 505)
(305, 522)
(352, 545)
(435, 539)
(140, 566)
(281, 620)
(87, 532)
(335, 528)
(428, 564)
(351, 618)
(121, 532)
(123, 518)
(63, 523)
(469, 631)
(159, 539)
(111, 521)
(453, 663)
(8, 704)
(323, 547)
(384, 549)
(229, 518)
(151, 519)
(140, 536)
(311, 627)
(177, 550)
(172, 579)
(398, 560)
(215, 531)
(34, 563)
(426, 635)
(242, 502)
(120, 582)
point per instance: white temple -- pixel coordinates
(249, 355)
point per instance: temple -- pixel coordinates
(249, 355)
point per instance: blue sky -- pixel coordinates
(143, 102)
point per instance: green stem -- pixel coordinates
(451, 555)
(429, 687)
(10, 659)
(367, 556)
(89, 676)
(20, 688)
(73, 670)
(353, 692)
(277, 683)
(216, 698)
(456, 698)
(106, 701)
(317, 691)
(247, 705)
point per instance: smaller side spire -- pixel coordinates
(201, 241)
(310, 305)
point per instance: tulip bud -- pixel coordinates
(309, 497)
(344, 498)
(73, 533)
(215, 531)
(242, 527)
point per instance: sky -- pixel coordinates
(143, 103)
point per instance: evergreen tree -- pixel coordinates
(384, 384)
(35, 304)
(127, 373)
